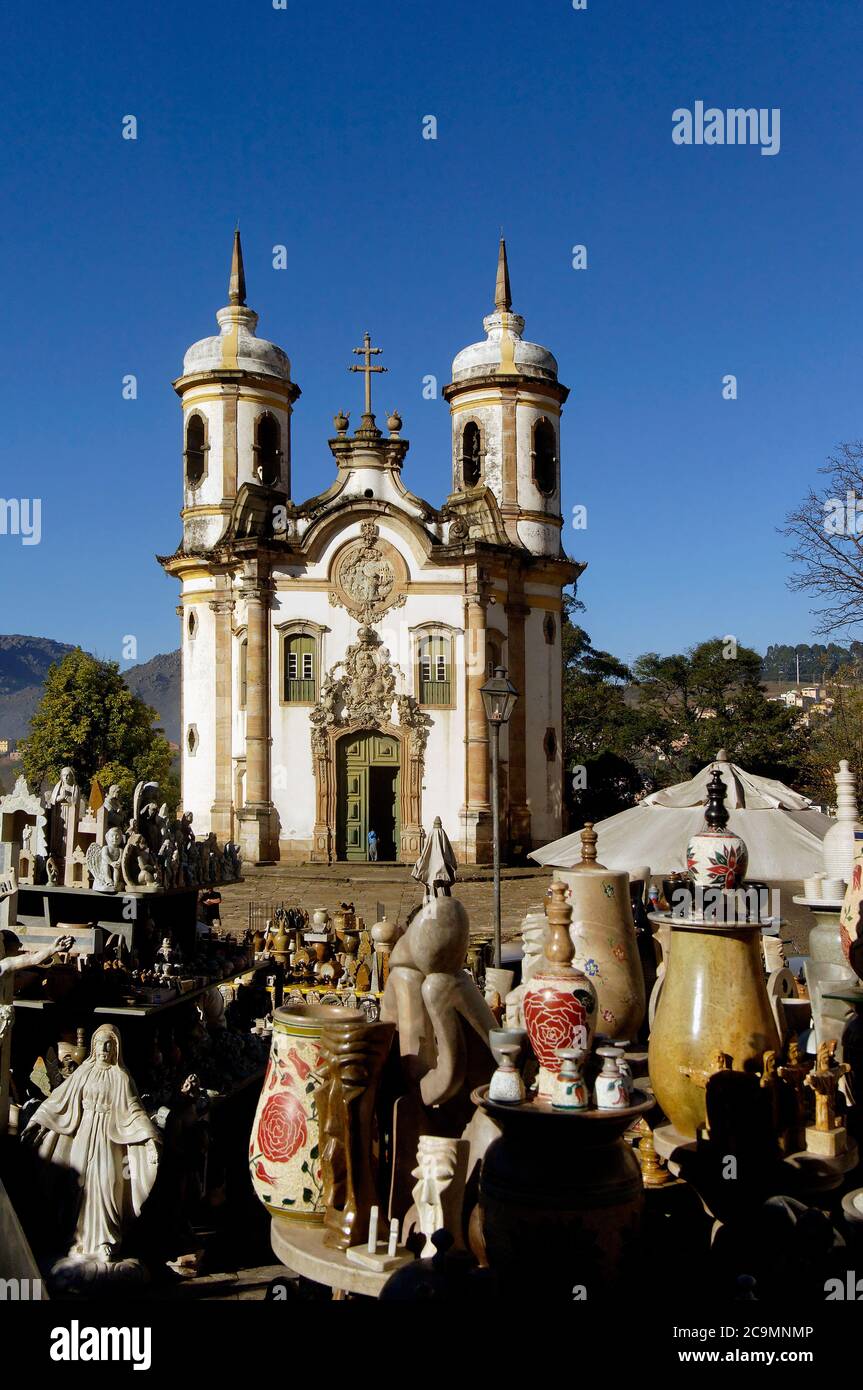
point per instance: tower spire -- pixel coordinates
(237, 282)
(502, 295)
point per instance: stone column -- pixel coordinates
(519, 812)
(220, 811)
(257, 813)
(509, 505)
(477, 810)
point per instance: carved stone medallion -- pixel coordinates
(369, 576)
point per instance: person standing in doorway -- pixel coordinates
(373, 846)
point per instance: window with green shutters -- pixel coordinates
(435, 671)
(300, 669)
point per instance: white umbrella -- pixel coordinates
(782, 829)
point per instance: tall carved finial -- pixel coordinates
(502, 295)
(716, 813)
(559, 948)
(589, 838)
(237, 282)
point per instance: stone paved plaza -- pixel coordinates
(366, 885)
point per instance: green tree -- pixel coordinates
(601, 728)
(90, 720)
(711, 697)
(836, 734)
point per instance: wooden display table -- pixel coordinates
(301, 1248)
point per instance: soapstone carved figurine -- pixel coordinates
(438, 1192)
(354, 1052)
(95, 1124)
(113, 807)
(65, 792)
(233, 860)
(13, 959)
(824, 1081)
(193, 863)
(781, 1099)
(168, 860)
(139, 870)
(534, 930)
(145, 807)
(429, 995)
(105, 862)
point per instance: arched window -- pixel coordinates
(434, 655)
(545, 456)
(300, 650)
(193, 623)
(268, 450)
(471, 454)
(549, 628)
(196, 449)
(243, 679)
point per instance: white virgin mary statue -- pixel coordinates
(95, 1124)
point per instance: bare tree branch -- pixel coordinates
(827, 542)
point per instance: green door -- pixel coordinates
(369, 776)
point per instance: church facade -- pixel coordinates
(334, 650)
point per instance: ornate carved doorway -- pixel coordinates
(368, 789)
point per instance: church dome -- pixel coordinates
(236, 346)
(504, 350)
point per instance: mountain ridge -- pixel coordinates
(25, 662)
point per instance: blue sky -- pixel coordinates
(306, 124)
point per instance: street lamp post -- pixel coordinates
(498, 697)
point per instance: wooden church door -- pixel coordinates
(367, 796)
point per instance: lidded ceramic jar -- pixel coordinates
(559, 1000)
(284, 1152)
(713, 1001)
(604, 939)
(716, 857)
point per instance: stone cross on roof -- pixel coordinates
(367, 352)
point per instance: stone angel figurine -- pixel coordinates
(105, 862)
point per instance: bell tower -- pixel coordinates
(237, 398)
(505, 401)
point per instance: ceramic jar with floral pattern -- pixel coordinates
(605, 942)
(716, 857)
(284, 1152)
(559, 1000)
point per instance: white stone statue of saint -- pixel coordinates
(66, 791)
(95, 1124)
